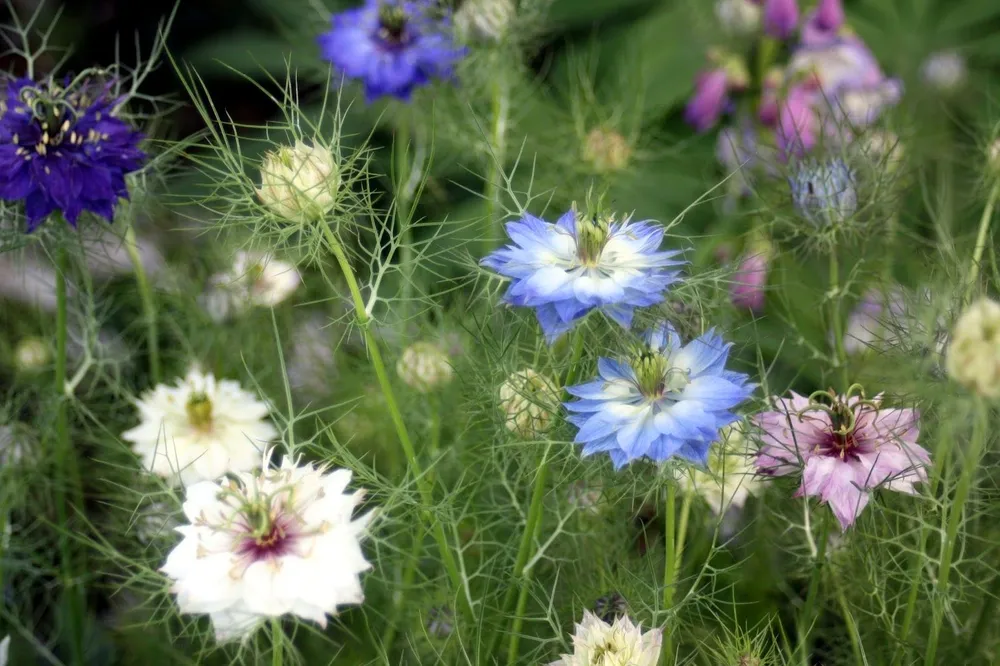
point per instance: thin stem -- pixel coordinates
(986, 615)
(916, 578)
(277, 648)
(891, 230)
(500, 111)
(148, 304)
(404, 209)
(69, 474)
(965, 482)
(852, 626)
(522, 602)
(669, 565)
(838, 324)
(984, 230)
(423, 483)
(808, 610)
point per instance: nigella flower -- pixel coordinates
(750, 281)
(62, 148)
(780, 18)
(843, 450)
(825, 192)
(668, 399)
(614, 643)
(579, 264)
(269, 543)
(392, 46)
(709, 100)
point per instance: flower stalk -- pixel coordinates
(148, 303)
(981, 239)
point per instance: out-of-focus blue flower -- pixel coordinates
(392, 46)
(825, 192)
(579, 264)
(63, 149)
(668, 399)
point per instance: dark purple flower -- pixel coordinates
(392, 46)
(709, 100)
(63, 149)
(780, 18)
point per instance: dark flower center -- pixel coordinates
(591, 237)
(269, 536)
(199, 412)
(656, 378)
(54, 110)
(392, 31)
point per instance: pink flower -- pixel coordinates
(843, 450)
(780, 18)
(747, 289)
(824, 23)
(798, 122)
(709, 100)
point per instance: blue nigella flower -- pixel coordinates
(63, 149)
(668, 399)
(392, 46)
(579, 264)
(825, 193)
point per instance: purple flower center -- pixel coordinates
(275, 538)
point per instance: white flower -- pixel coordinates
(200, 429)
(484, 20)
(597, 643)
(311, 361)
(944, 71)
(973, 357)
(4, 650)
(299, 182)
(31, 354)
(528, 401)
(156, 521)
(424, 366)
(730, 478)
(269, 543)
(738, 17)
(264, 280)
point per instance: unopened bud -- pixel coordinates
(606, 150)
(738, 17)
(424, 366)
(973, 357)
(32, 354)
(299, 182)
(528, 401)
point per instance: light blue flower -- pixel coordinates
(668, 399)
(825, 193)
(579, 264)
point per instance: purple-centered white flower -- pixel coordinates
(580, 264)
(844, 448)
(668, 399)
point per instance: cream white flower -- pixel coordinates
(200, 429)
(484, 20)
(730, 478)
(606, 150)
(424, 366)
(269, 543)
(264, 280)
(299, 182)
(973, 356)
(737, 17)
(597, 643)
(528, 401)
(944, 71)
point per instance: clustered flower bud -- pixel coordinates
(606, 150)
(528, 401)
(300, 182)
(424, 366)
(973, 357)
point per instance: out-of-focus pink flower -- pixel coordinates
(798, 122)
(750, 281)
(710, 97)
(780, 18)
(875, 320)
(843, 450)
(823, 24)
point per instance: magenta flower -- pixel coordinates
(749, 282)
(823, 23)
(710, 97)
(780, 18)
(843, 450)
(798, 122)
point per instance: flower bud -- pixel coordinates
(528, 401)
(424, 366)
(883, 148)
(944, 71)
(709, 100)
(606, 150)
(299, 183)
(31, 355)
(973, 357)
(824, 192)
(738, 17)
(484, 20)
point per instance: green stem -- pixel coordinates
(852, 627)
(522, 602)
(669, 565)
(500, 112)
(67, 464)
(835, 315)
(808, 610)
(916, 578)
(965, 482)
(148, 304)
(277, 648)
(404, 210)
(891, 229)
(984, 230)
(423, 485)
